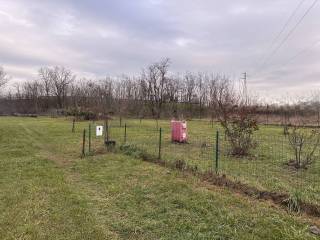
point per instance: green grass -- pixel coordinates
(266, 168)
(47, 191)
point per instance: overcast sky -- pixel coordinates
(97, 38)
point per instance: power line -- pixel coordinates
(301, 52)
(290, 32)
(304, 50)
(285, 25)
(277, 36)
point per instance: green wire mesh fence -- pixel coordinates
(267, 167)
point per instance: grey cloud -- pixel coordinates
(116, 36)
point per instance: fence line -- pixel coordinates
(267, 167)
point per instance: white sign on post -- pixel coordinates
(99, 131)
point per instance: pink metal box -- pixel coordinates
(179, 131)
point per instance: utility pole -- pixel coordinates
(245, 90)
(267, 114)
(318, 107)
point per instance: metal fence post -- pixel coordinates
(73, 122)
(84, 143)
(106, 131)
(90, 138)
(217, 152)
(125, 133)
(160, 140)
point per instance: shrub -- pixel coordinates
(235, 114)
(239, 131)
(82, 114)
(304, 143)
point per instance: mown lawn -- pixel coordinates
(47, 191)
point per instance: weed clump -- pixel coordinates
(180, 164)
(136, 152)
(293, 202)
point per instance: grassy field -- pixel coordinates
(266, 168)
(47, 191)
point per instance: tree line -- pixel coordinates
(154, 93)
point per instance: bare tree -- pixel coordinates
(47, 83)
(202, 87)
(32, 92)
(155, 77)
(108, 94)
(172, 95)
(190, 87)
(18, 90)
(61, 79)
(3, 77)
(143, 97)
